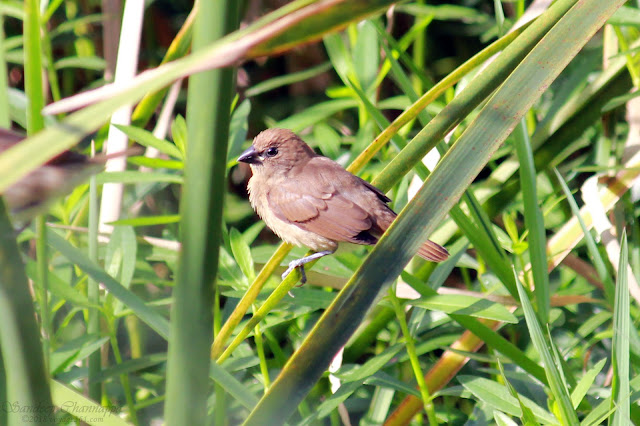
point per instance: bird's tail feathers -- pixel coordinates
(433, 252)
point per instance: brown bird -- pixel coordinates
(310, 200)
(31, 194)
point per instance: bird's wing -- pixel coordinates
(324, 200)
(9, 138)
(381, 195)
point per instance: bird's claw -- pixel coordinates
(293, 265)
(299, 263)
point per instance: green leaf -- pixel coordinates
(13, 9)
(620, 388)
(210, 96)
(131, 366)
(148, 221)
(498, 397)
(619, 101)
(311, 298)
(466, 305)
(146, 138)
(527, 418)
(581, 389)
(445, 12)
(83, 408)
(533, 220)
(321, 21)
(366, 55)
(371, 366)
(129, 299)
(179, 132)
(353, 379)
(386, 381)
(20, 338)
(242, 254)
(231, 385)
(287, 79)
(315, 113)
(600, 265)
(84, 62)
(443, 188)
(626, 16)
(120, 258)
(604, 409)
(156, 163)
(130, 177)
(238, 129)
(62, 289)
(556, 384)
(75, 351)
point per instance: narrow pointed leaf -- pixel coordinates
(419, 219)
(466, 305)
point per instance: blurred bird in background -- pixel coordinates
(32, 194)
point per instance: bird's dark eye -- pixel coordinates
(272, 152)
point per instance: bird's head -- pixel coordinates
(277, 150)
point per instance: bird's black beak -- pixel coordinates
(250, 156)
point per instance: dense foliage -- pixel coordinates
(177, 313)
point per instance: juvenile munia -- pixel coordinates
(310, 200)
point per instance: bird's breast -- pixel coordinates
(286, 230)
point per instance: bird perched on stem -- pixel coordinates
(310, 200)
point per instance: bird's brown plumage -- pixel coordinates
(310, 200)
(58, 176)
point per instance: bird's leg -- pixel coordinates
(299, 263)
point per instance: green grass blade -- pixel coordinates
(73, 402)
(24, 366)
(208, 116)
(33, 67)
(498, 397)
(134, 176)
(420, 218)
(128, 298)
(620, 389)
(567, 121)
(498, 343)
(431, 95)
(305, 20)
(242, 254)
(558, 389)
(604, 409)
(94, 363)
(148, 221)
(484, 241)
(410, 344)
(5, 121)
(533, 221)
(601, 268)
(287, 79)
(179, 47)
(528, 418)
(34, 91)
(232, 386)
(218, 348)
(490, 337)
(466, 305)
(475, 93)
(583, 385)
(146, 138)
